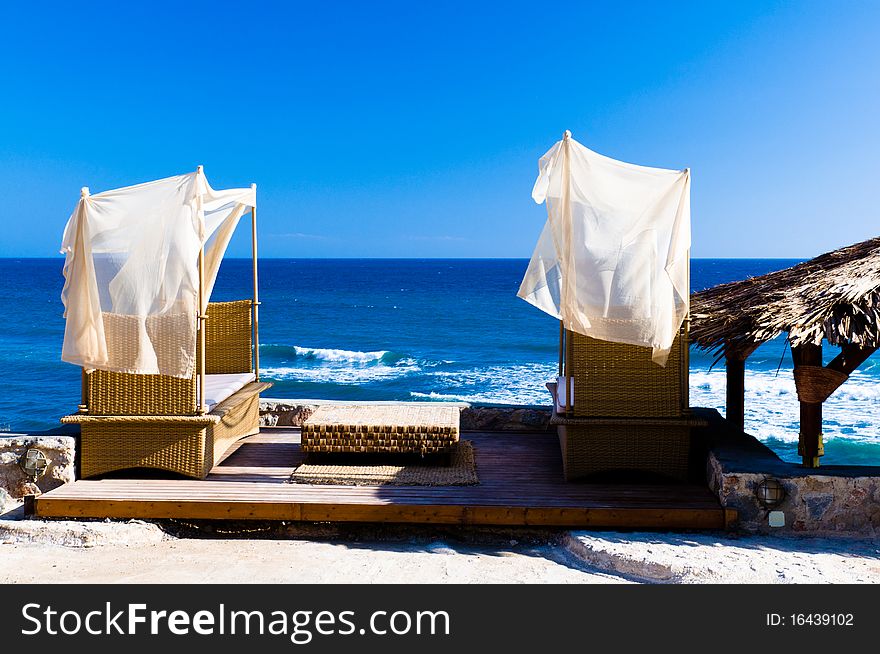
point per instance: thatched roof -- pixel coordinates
(835, 297)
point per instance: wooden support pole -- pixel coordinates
(84, 392)
(810, 446)
(256, 302)
(569, 354)
(202, 315)
(735, 361)
(736, 389)
(684, 380)
(203, 406)
(562, 377)
(685, 334)
(84, 380)
(561, 347)
(850, 358)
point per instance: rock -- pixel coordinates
(275, 413)
(7, 502)
(857, 496)
(71, 533)
(14, 484)
(439, 547)
(498, 418)
(817, 504)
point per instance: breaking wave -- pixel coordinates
(331, 355)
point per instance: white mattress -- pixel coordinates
(219, 387)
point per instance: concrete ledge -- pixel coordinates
(616, 557)
(721, 558)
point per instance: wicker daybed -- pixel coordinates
(623, 411)
(179, 424)
(612, 264)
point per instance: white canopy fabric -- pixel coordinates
(612, 261)
(131, 272)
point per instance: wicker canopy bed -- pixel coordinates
(612, 264)
(169, 379)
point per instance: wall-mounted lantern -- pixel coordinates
(770, 492)
(34, 463)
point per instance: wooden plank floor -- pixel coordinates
(521, 484)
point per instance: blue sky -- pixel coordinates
(413, 129)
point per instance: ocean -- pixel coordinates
(415, 330)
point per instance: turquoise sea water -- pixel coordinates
(436, 330)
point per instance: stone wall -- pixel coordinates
(14, 484)
(816, 503)
(827, 500)
(292, 413)
(499, 418)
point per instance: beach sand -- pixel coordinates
(139, 552)
(269, 561)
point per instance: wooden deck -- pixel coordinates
(521, 485)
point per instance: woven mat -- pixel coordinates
(461, 472)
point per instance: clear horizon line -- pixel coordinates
(340, 258)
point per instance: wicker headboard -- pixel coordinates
(229, 350)
(228, 339)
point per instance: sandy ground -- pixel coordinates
(271, 561)
(134, 551)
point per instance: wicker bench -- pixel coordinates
(386, 429)
(153, 421)
(186, 444)
(627, 412)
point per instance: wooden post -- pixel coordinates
(810, 445)
(84, 392)
(735, 361)
(569, 346)
(850, 358)
(84, 380)
(256, 302)
(684, 331)
(562, 377)
(736, 388)
(203, 310)
(561, 347)
(203, 407)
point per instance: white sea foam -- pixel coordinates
(500, 384)
(343, 375)
(772, 409)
